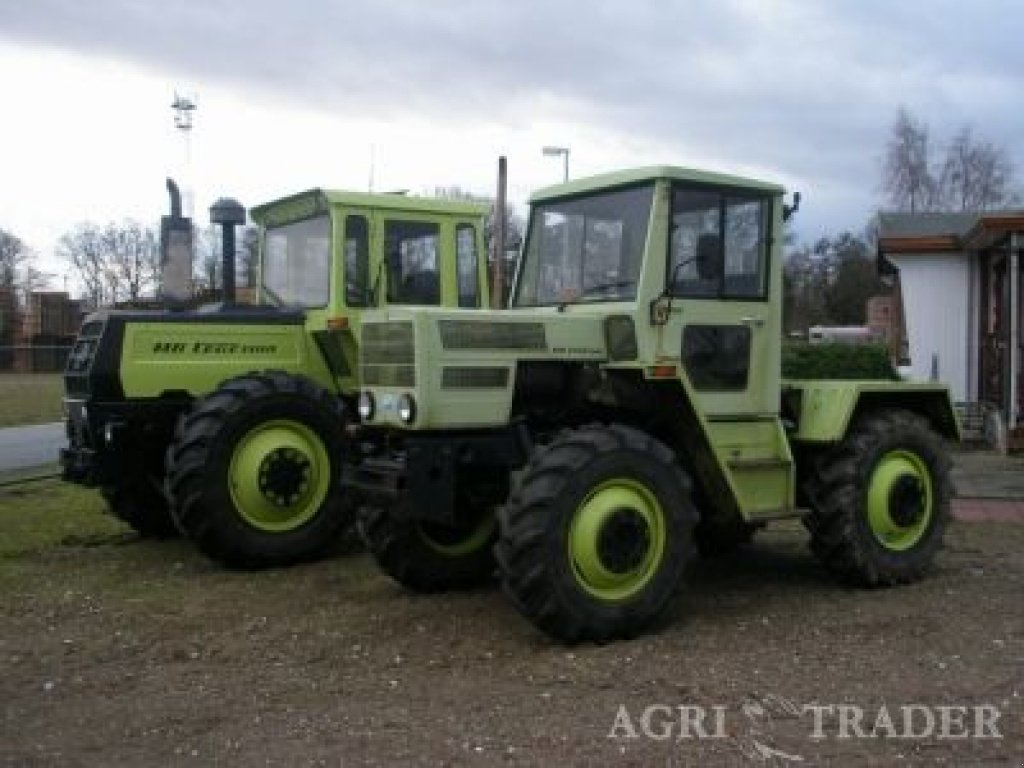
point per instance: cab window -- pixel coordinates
(467, 262)
(719, 244)
(357, 262)
(413, 258)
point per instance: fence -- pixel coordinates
(37, 358)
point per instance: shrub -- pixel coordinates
(801, 360)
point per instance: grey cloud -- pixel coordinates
(808, 88)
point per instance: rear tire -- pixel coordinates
(143, 506)
(429, 557)
(254, 471)
(596, 534)
(880, 500)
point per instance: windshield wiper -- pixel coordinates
(270, 292)
(601, 287)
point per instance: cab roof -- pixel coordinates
(649, 173)
(315, 201)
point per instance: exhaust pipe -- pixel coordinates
(229, 213)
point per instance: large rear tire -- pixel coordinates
(254, 471)
(596, 534)
(880, 500)
(141, 504)
(428, 557)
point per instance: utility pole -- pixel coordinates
(184, 107)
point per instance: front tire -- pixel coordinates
(880, 500)
(596, 534)
(254, 471)
(140, 504)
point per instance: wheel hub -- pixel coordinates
(284, 476)
(623, 541)
(906, 501)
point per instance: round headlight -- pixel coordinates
(365, 407)
(406, 408)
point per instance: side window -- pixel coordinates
(412, 252)
(695, 255)
(357, 262)
(718, 246)
(717, 357)
(746, 247)
(467, 265)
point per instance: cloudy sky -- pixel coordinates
(316, 93)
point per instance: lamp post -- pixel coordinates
(564, 153)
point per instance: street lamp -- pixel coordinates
(555, 152)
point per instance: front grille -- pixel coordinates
(457, 377)
(388, 354)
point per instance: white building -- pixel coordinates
(959, 277)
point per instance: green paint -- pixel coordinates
(621, 501)
(283, 506)
(894, 470)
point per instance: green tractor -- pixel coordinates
(228, 423)
(629, 410)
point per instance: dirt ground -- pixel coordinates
(115, 651)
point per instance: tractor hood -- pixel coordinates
(460, 366)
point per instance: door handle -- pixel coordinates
(754, 322)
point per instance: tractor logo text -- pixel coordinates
(212, 348)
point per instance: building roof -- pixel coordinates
(901, 224)
(937, 232)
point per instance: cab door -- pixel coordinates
(724, 327)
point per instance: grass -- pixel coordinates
(30, 398)
(42, 515)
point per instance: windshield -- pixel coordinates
(585, 249)
(296, 263)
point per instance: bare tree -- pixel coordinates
(115, 262)
(15, 257)
(249, 255)
(975, 175)
(907, 179)
(207, 266)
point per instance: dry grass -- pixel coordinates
(30, 398)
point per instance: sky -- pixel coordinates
(410, 94)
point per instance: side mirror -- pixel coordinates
(789, 210)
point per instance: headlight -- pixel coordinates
(406, 408)
(365, 407)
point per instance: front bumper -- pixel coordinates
(420, 476)
(111, 441)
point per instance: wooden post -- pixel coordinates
(498, 279)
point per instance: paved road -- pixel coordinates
(28, 447)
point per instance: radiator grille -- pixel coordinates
(388, 354)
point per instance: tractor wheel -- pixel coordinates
(716, 539)
(596, 534)
(428, 557)
(880, 500)
(254, 471)
(143, 506)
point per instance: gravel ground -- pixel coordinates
(120, 652)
